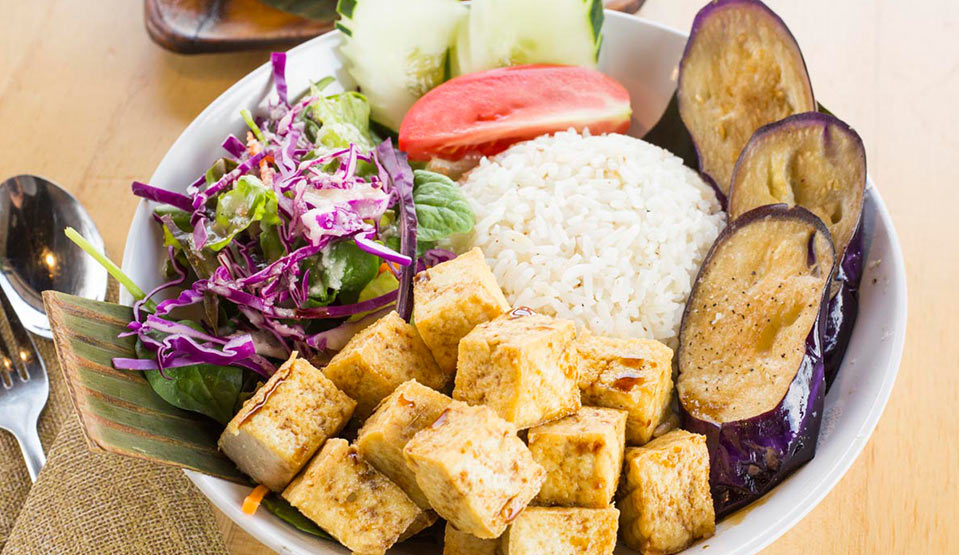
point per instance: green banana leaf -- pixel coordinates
(118, 409)
(322, 10)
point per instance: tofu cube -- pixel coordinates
(634, 375)
(381, 357)
(562, 531)
(351, 500)
(282, 425)
(473, 469)
(452, 298)
(409, 409)
(582, 455)
(426, 519)
(461, 543)
(522, 366)
(666, 504)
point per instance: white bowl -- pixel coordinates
(643, 56)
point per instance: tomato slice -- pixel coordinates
(486, 112)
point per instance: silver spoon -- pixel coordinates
(34, 253)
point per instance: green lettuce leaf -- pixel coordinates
(249, 201)
(345, 120)
(219, 168)
(378, 286)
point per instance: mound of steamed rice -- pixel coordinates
(608, 231)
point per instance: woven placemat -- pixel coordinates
(86, 502)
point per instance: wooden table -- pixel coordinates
(87, 100)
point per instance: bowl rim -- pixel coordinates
(213, 488)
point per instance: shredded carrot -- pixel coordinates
(252, 144)
(266, 173)
(252, 501)
(384, 267)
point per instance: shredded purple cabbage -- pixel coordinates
(278, 59)
(162, 196)
(322, 196)
(234, 146)
(396, 166)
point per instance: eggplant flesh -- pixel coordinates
(810, 159)
(741, 70)
(816, 161)
(751, 370)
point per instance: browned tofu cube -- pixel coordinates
(409, 409)
(282, 425)
(425, 519)
(562, 531)
(473, 469)
(452, 298)
(461, 543)
(582, 455)
(351, 500)
(634, 375)
(665, 499)
(522, 366)
(379, 358)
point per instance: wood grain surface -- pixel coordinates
(88, 100)
(194, 26)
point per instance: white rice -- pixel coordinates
(608, 231)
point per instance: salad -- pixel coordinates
(306, 230)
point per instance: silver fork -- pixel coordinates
(24, 390)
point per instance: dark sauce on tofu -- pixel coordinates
(628, 381)
(262, 401)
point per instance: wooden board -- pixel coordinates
(194, 26)
(129, 100)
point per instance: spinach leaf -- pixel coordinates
(359, 266)
(441, 208)
(204, 388)
(250, 200)
(341, 271)
(289, 514)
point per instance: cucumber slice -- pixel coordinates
(397, 50)
(516, 32)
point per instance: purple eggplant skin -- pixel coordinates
(843, 308)
(749, 457)
(716, 154)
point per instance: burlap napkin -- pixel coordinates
(86, 502)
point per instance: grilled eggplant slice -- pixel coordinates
(751, 376)
(816, 161)
(741, 70)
